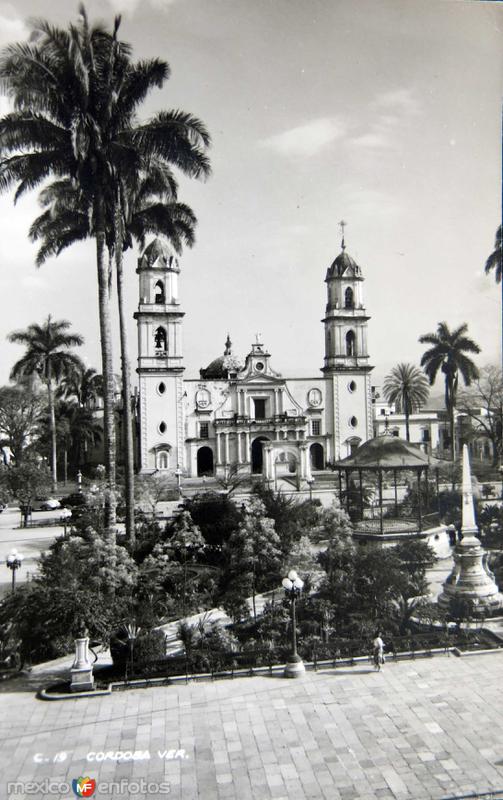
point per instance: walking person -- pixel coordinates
(378, 651)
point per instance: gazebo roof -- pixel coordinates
(387, 452)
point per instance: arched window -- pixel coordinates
(159, 293)
(162, 460)
(349, 301)
(350, 343)
(160, 339)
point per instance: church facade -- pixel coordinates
(244, 415)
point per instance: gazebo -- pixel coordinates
(382, 457)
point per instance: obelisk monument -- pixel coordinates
(470, 579)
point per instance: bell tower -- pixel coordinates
(346, 366)
(160, 360)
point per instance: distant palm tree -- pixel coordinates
(86, 386)
(495, 260)
(47, 355)
(495, 263)
(448, 354)
(407, 387)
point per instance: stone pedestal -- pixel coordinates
(294, 668)
(470, 579)
(82, 671)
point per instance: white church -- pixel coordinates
(247, 416)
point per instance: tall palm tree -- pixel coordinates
(448, 354)
(495, 264)
(48, 355)
(149, 206)
(407, 387)
(76, 93)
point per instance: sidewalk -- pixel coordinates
(425, 730)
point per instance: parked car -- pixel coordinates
(2, 506)
(45, 504)
(65, 513)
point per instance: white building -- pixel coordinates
(247, 414)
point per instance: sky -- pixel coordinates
(383, 113)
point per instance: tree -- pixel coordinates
(407, 387)
(253, 553)
(483, 404)
(448, 354)
(83, 385)
(76, 93)
(495, 261)
(186, 539)
(26, 482)
(19, 417)
(77, 430)
(47, 355)
(84, 586)
(292, 519)
(151, 489)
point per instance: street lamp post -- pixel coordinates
(310, 482)
(293, 586)
(132, 631)
(14, 561)
(178, 475)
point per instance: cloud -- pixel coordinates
(12, 26)
(391, 111)
(398, 100)
(306, 140)
(128, 7)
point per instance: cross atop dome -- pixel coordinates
(342, 225)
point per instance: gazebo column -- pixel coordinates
(396, 494)
(340, 487)
(437, 484)
(346, 472)
(426, 492)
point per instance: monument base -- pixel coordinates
(82, 680)
(294, 668)
(471, 580)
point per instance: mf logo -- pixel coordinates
(83, 787)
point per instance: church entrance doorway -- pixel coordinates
(257, 454)
(204, 461)
(317, 456)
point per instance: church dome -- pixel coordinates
(160, 253)
(344, 264)
(220, 367)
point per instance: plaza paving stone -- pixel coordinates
(423, 729)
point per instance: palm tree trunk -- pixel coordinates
(52, 428)
(107, 368)
(407, 431)
(126, 384)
